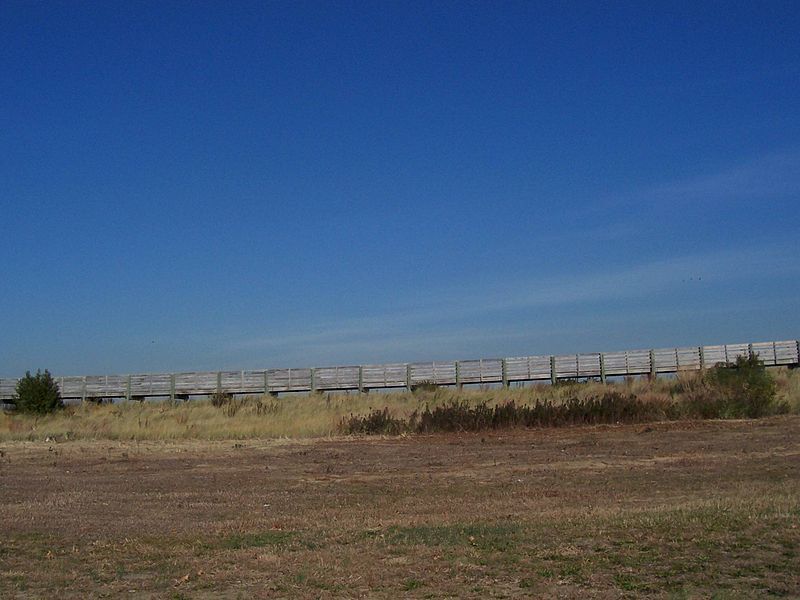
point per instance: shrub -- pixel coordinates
(37, 393)
(454, 416)
(609, 408)
(221, 399)
(745, 388)
(377, 422)
(424, 386)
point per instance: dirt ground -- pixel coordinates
(678, 510)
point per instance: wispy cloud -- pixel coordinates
(768, 177)
(759, 179)
(642, 211)
(458, 318)
(590, 285)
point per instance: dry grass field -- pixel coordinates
(320, 415)
(671, 509)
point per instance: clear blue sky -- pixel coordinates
(208, 185)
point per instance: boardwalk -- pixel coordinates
(406, 375)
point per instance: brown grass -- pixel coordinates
(667, 510)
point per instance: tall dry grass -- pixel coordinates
(319, 415)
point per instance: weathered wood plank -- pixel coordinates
(589, 365)
(440, 373)
(384, 376)
(786, 352)
(336, 378)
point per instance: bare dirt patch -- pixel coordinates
(666, 509)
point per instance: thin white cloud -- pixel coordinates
(634, 213)
(760, 179)
(439, 314)
(774, 175)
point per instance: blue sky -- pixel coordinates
(214, 185)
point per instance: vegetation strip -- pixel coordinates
(747, 391)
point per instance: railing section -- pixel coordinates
(407, 375)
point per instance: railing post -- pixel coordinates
(602, 368)
(750, 350)
(172, 387)
(361, 379)
(652, 364)
(266, 378)
(702, 354)
(408, 377)
(553, 375)
(459, 385)
(128, 389)
(313, 381)
(219, 382)
(266, 382)
(504, 372)
(83, 390)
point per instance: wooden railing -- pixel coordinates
(405, 375)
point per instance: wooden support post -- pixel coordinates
(553, 374)
(172, 387)
(750, 350)
(408, 377)
(504, 372)
(219, 382)
(361, 379)
(128, 389)
(313, 381)
(602, 368)
(83, 390)
(701, 353)
(266, 383)
(459, 385)
(269, 383)
(652, 364)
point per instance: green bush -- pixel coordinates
(745, 389)
(37, 393)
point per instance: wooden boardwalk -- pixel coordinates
(406, 375)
